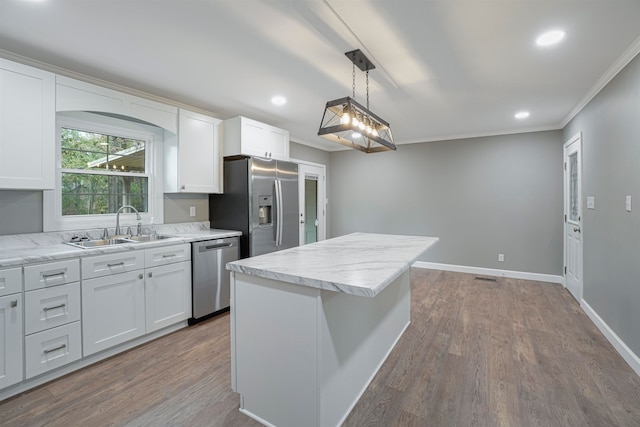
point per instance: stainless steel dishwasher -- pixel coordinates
(210, 280)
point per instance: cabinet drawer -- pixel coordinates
(104, 265)
(39, 276)
(52, 348)
(50, 307)
(10, 281)
(167, 255)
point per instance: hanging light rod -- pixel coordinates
(351, 124)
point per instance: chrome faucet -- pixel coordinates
(117, 233)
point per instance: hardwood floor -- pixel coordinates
(477, 353)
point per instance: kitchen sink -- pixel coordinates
(147, 238)
(85, 244)
(97, 243)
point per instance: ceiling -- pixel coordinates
(445, 69)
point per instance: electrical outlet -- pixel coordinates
(501, 257)
(192, 211)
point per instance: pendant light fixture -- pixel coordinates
(349, 123)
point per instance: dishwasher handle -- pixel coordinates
(214, 247)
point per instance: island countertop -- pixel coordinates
(360, 264)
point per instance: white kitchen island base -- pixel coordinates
(303, 356)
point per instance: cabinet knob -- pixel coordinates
(14, 303)
(140, 276)
(150, 274)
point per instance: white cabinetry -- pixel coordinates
(122, 306)
(193, 162)
(10, 326)
(112, 300)
(74, 95)
(167, 286)
(27, 127)
(52, 316)
(243, 136)
(112, 310)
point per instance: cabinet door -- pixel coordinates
(199, 159)
(10, 340)
(27, 127)
(112, 310)
(278, 142)
(253, 138)
(167, 295)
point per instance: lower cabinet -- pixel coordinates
(124, 306)
(167, 295)
(11, 340)
(52, 348)
(112, 310)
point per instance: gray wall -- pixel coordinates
(480, 196)
(20, 212)
(610, 126)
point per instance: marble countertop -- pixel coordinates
(358, 264)
(20, 249)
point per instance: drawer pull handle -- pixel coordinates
(168, 255)
(59, 273)
(54, 307)
(55, 349)
(14, 303)
(115, 264)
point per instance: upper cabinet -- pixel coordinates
(74, 95)
(248, 137)
(193, 163)
(27, 127)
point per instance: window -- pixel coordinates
(101, 172)
(103, 163)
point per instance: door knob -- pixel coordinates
(302, 221)
(576, 229)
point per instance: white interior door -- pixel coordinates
(573, 216)
(311, 189)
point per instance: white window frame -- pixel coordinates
(53, 220)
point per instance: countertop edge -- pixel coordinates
(346, 288)
(63, 251)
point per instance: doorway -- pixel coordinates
(572, 150)
(312, 190)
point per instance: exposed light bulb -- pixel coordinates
(356, 134)
(345, 119)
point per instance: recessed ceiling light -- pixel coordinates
(522, 115)
(278, 100)
(550, 38)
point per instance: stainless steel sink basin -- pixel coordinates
(97, 243)
(85, 244)
(147, 238)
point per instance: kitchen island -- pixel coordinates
(311, 325)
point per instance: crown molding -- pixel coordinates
(624, 59)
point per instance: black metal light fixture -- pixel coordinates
(349, 123)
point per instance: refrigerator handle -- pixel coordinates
(278, 212)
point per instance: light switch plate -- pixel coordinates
(627, 203)
(192, 211)
(591, 202)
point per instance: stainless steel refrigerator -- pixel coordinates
(261, 200)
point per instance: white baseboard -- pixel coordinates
(550, 278)
(627, 354)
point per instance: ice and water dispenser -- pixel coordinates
(264, 210)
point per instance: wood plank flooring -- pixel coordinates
(477, 353)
